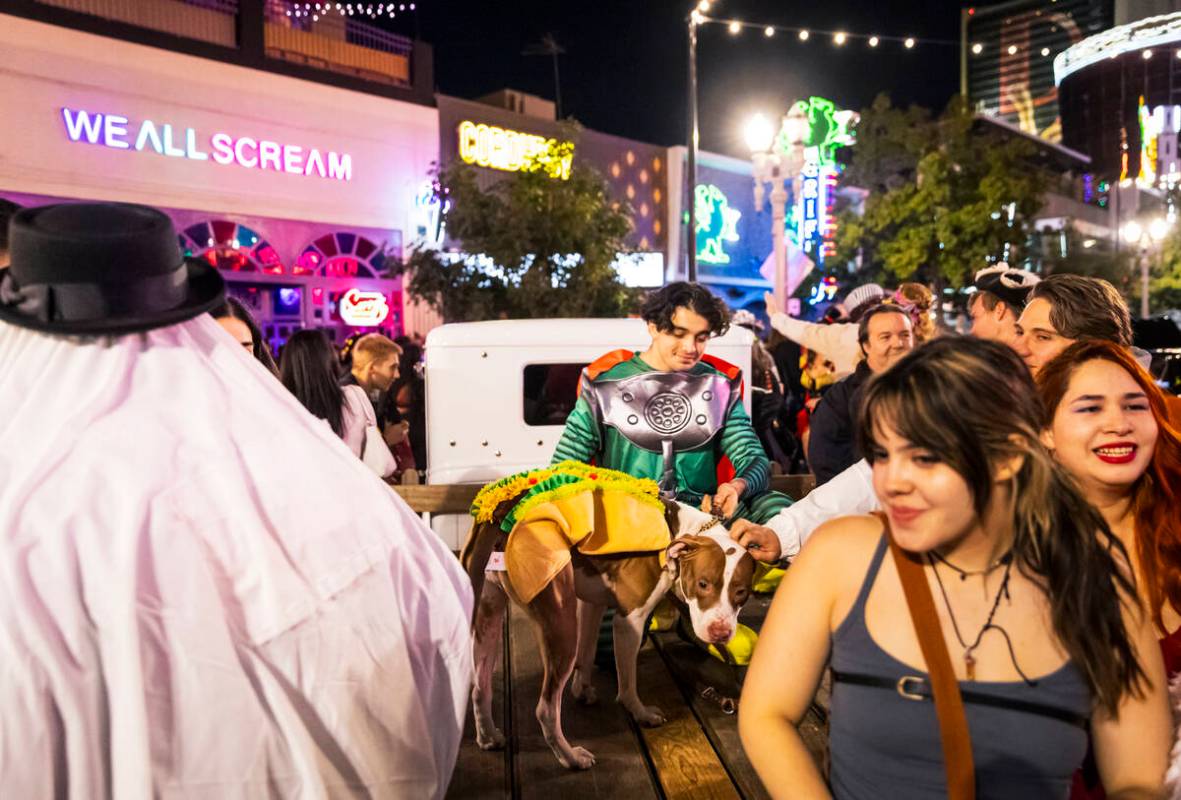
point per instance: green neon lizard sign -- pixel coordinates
(716, 223)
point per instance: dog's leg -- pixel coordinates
(590, 619)
(629, 634)
(486, 641)
(555, 621)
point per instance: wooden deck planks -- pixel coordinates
(620, 769)
(684, 760)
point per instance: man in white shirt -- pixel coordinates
(851, 491)
(203, 593)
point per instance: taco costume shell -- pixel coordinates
(568, 506)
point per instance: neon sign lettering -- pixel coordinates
(363, 309)
(716, 223)
(509, 150)
(112, 130)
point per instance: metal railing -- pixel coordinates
(336, 42)
(212, 21)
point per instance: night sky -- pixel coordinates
(624, 70)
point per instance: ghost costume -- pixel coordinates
(203, 592)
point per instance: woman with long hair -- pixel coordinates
(1107, 423)
(1035, 601)
(917, 300)
(237, 321)
(310, 369)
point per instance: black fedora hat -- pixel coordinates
(101, 268)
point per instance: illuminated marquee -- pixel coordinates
(363, 309)
(716, 223)
(119, 133)
(509, 150)
(829, 128)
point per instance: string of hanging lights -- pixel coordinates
(371, 10)
(839, 38)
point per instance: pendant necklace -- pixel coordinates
(1002, 591)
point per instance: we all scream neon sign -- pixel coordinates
(118, 132)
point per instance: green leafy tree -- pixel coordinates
(540, 246)
(1164, 286)
(946, 195)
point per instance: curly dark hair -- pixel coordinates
(660, 305)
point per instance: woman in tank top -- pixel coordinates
(1035, 598)
(1107, 423)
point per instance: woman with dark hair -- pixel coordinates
(310, 369)
(1033, 600)
(238, 322)
(1108, 424)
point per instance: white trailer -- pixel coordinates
(498, 392)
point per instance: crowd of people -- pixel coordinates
(204, 589)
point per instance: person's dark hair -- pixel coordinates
(233, 308)
(1060, 541)
(309, 368)
(7, 210)
(660, 305)
(1082, 307)
(990, 301)
(875, 311)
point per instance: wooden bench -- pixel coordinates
(456, 498)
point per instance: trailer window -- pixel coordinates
(550, 392)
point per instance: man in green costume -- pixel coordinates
(674, 414)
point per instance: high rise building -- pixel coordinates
(1008, 57)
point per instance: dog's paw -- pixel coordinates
(584, 693)
(490, 740)
(579, 758)
(649, 716)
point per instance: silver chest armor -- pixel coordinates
(666, 413)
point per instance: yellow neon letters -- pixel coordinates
(508, 150)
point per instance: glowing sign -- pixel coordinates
(716, 223)
(363, 309)
(828, 129)
(824, 291)
(119, 133)
(509, 150)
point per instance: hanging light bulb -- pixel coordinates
(839, 38)
(1012, 50)
(768, 31)
(873, 41)
(978, 48)
(909, 43)
(804, 36)
(735, 27)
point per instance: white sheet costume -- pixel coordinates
(203, 593)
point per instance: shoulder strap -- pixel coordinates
(949, 706)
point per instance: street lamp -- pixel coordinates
(1134, 232)
(776, 157)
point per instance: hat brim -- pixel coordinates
(206, 291)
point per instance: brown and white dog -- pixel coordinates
(709, 575)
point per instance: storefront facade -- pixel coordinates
(495, 139)
(301, 193)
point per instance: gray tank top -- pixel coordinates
(885, 745)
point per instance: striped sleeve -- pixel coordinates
(580, 438)
(741, 445)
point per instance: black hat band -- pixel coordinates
(79, 302)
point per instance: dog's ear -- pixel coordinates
(679, 550)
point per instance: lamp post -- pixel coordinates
(1143, 237)
(776, 157)
(696, 17)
